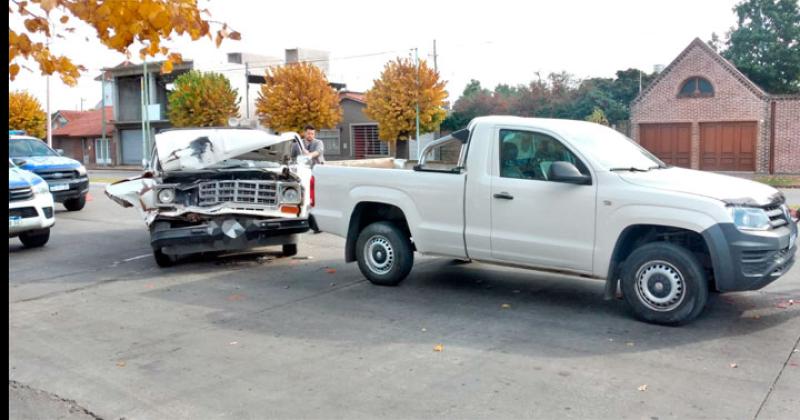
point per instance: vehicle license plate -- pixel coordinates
(59, 187)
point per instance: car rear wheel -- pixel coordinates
(35, 239)
(664, 283)
(384, 254)
(289, 250)
(75, 204)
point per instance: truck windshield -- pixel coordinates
(614, 150)
(18, 148)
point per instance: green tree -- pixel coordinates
(202, 100)
(765, 44)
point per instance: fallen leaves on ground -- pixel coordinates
(235, 297)
(233, 343)
(438, 348)
(505, 306)
(121, 364)
(330, 270)
(643, 388)
(733, 365)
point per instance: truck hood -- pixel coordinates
(721, 187)
(47, 163)
(201, 148)
(19, 178)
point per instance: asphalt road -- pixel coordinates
(97, 330)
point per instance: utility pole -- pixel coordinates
(49, 118)
(416, 59)
(435, 66)
(82, 101)
(103, 143)
(640, 81)
(145, 102)
(247, 90)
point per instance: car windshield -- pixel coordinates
(614, 151)
(20, 148)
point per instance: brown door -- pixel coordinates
(728, 146)
(671, 143)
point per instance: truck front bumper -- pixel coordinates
(34, 214)
(228, 234)
(750, 261)
(68, 189)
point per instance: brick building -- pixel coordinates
(703, 113)
(80, 135)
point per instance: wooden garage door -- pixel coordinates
(728, 146)
(671, 143)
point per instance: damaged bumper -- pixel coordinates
(227, 234)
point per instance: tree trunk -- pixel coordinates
(401, 149)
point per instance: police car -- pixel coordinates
(66, 177)
(30, 207)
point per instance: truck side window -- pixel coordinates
(529, 155)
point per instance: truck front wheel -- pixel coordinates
(75, 204)
(384, 254)
(35, 239)
(664, 284)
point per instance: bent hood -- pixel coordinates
(18, 178)
(197, 149)
(721, 187)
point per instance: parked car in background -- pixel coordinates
(219, 189)
(569, 197)
(66, 177)
(30, 207)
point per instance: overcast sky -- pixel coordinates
(496, 41)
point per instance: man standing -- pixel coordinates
(314, 148)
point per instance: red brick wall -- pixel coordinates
(732, 101)
(787, 136)
(72, 147)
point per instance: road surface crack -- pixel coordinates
(777, 378)
(74, 407)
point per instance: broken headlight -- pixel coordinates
(290, 195)
(166, 196)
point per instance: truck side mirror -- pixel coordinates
(567, 172)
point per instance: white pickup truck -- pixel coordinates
(563, 196)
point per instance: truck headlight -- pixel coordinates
(290, 195)
(749, 218)
(166, 196)
(81, 170)
(41, 188)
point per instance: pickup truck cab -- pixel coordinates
(563, 196)
(30, 207)
(67, 178)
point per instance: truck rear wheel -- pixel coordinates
(35, 239)
(384, 254)
(289, 250)
(163, 260)
(664, 284)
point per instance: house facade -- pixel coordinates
(356, 136)
(80, 135)
(703, 113)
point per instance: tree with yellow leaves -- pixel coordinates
(25, 113)
(393, 99)
(119, 24)
(295, 95)
(597, 116)
(202, 100)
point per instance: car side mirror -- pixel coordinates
(19, 162)
(60, 152)
(567, 172)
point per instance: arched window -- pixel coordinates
(696, 87)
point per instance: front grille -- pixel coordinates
(20, 194)
(22, 212)
(758, 262)
(57, 175)
(245, 192)
(777, 217)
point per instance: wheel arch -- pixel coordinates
(366, 213)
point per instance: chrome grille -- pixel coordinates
(57, 175)
(246, 192)
(20, 194)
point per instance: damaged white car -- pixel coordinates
(220, 189)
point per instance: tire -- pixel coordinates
(35, 239)
(384, 254)
(75, 204)
(663, 283)
(289, 250)
(163, 260)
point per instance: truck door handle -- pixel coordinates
(504, 196)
